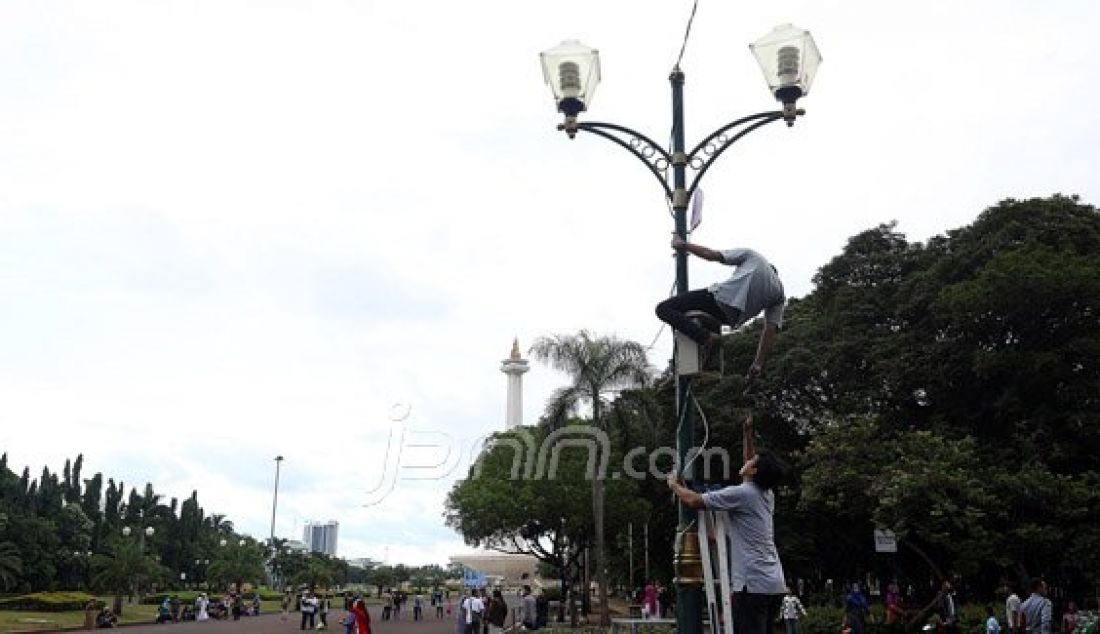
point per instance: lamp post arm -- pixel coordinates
(732, 124)
(714, 145)
(655, 157)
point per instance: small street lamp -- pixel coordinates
(147, 533)
(572, 70)
(142, 535)
(83, 560)
(789, 60)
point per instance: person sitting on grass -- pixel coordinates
(106, 619)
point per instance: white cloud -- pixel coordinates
(230, 230)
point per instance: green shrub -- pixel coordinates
(822, 620)
(189, 596)
(829, 619)
(47, 601)
(184, 596)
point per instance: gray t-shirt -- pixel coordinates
(755, 562)
(753, 287)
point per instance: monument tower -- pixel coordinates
(514, 367)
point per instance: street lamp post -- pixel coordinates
(275, 500)
(83, 559)
(148, 532)
(789, 58)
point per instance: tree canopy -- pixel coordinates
(944, 389)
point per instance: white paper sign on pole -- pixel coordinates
(885, 541)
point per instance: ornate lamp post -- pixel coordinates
(83, 559)
(142, 535)
(789, 59)
(148, 532)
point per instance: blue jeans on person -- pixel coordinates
(792, 625)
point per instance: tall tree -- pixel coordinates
(596, 366)
(125, 571)
(11, 565)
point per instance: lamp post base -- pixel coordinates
(688, 565)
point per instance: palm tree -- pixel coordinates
(123, 572)
(11, 565)
(218, 525)
(596, 365)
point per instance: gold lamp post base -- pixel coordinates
(687, 562)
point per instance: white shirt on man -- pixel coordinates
(471, 605)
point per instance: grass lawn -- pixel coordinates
(18, 621)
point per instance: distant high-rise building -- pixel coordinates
(320, 537)
(514, 366)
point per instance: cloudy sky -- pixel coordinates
(235, 229)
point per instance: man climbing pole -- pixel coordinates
(754, 286)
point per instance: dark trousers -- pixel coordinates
(307, 617)
(755, 613)
(673, 311)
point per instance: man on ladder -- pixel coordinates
(756, 573)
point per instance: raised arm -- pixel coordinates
(748, 438)
(690, 498)
(697, 250)
(763, 347)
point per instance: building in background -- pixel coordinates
(320, 537)
(295, 546)
(500, 569)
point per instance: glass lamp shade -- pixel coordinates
(149, 531)
(572, 70)
(789, 58)
(125, 531)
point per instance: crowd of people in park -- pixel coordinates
(231, 605)
(483, 612)
(1035, 614)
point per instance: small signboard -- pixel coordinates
(885, 541)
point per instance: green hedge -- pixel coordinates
(189, 596)
(185, 596)
(47, 601)
(821, 619)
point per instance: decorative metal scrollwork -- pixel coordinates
(699, 160)
(655, 157)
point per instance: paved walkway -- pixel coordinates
(275, 624)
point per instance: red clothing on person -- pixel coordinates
(651, 600)
(362, 617)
